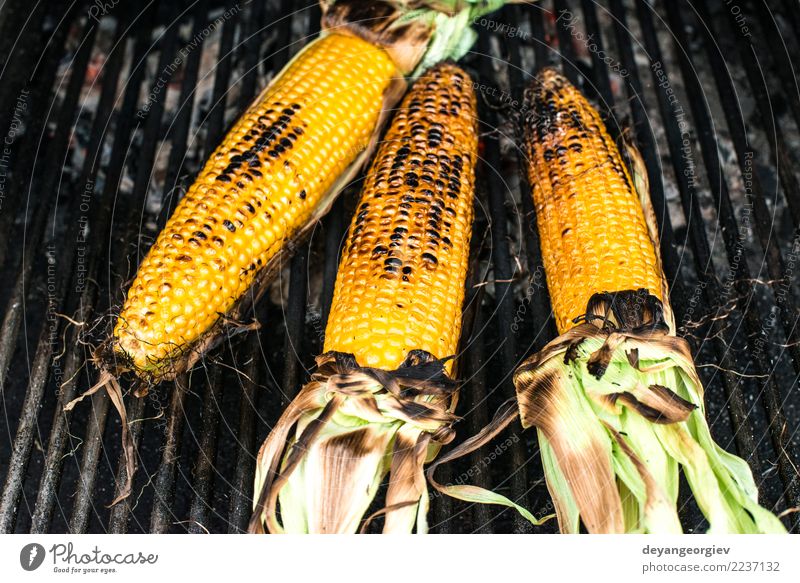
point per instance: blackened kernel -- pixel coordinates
(407, 270)
(200, 235)
(250, 208)
(285, 143)
(393, 261)
(380, 250)
(229, 225)
(430, 258)
(273, 154)
(288, 112)
(302, 194)
(224, 178)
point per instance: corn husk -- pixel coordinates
(323, 463)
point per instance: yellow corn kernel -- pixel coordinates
(400, 283)
(259, 188)
(593, 233)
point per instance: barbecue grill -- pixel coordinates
(108, 110)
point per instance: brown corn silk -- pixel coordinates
(615, 399)
(382, 388)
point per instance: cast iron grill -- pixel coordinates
(108, 110)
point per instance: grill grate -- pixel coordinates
(120, 110)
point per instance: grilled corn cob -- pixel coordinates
(382, 390)
(271, 175)
(616, 400)
(276, 172)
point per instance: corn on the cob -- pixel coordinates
(382, 390)
(261, 186)
(275, 173)
(592, 227)
(616, 400)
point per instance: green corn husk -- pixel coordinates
(618, 413)
(638, 433)
(352, 426)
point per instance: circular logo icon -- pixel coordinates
(31, 556)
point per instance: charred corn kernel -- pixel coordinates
(396, 307)
(258, 188)
(592, 228)
(401, 279)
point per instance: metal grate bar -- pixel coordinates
(200, 513)
(503, 275)
(14, 311)
(241, 505)
(600, 82)
(756, 196)
(162, 515)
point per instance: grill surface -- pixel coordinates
(108, 110)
